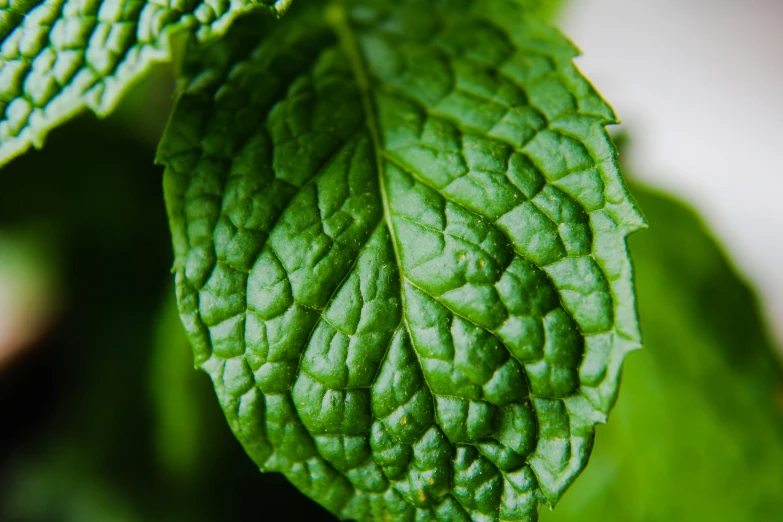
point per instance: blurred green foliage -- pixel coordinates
(697, 433)
(547, 8)
(106, 420)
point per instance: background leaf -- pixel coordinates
(697, 434)
(59, 57)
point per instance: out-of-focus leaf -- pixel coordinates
(545, 8)
(61, 486)
(178, 416)
(697, 434)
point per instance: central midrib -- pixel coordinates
(337, 18)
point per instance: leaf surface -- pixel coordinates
(59, 57)
(400, 253)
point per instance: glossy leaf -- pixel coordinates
(400, 253)
(59, 57)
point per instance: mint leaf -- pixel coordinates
(59, 57)
(697, 434)
(400, 253)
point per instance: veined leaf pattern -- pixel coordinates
(59, 57)
(400, 251)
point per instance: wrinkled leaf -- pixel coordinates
(697, 434)
(59, 57)
(400, 251)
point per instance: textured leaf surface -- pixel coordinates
(58, 57)
(697, 434)
(400, 254)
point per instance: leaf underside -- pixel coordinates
(400, 251)
(59, 57)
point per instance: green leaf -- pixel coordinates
(179, 419)
(400, 253)
(545, 8)
(59, 57)
(697, 434)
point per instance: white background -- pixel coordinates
(699, 87)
